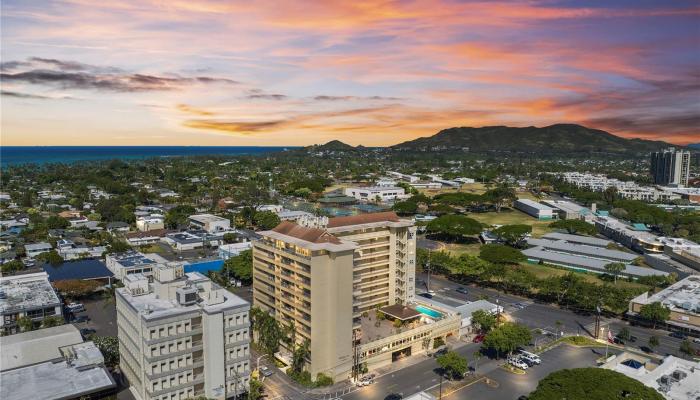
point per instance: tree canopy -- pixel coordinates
(266, 219)
(655, 312)
(513, 235)
(241, 266)
(452, 364)
(574, 226)
(485, 320)
(500, 254)
(507, 337)
(454, 227)
(592, 383)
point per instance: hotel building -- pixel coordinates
(182, 336)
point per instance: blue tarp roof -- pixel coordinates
(83, 269)
(640, 227)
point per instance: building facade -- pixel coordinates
(670, 167)
(534, 209)
(182, 336)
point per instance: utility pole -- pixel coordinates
(427, 267)
(355, 356)
(597, 322)
(441, 374)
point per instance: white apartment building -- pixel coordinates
(373, 193)
(150, 223)
(210, 223)
(182, 336)
(626, 190)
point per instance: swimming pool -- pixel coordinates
(429, 312)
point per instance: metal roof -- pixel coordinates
(591, 264)
(83, 269)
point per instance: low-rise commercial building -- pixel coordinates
(210, 223)
(52, 364)
(182, 336)
(375, 193)
(147, 237)
(568, 209)
(34, 249)
(534, 209)
(28, 295)
(636, 236)
(132, 262)
(227, 251)
(584, 250)
(150, 223)
(673, 377)
(684, 251)
(682, 298)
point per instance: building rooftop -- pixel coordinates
(573, 260)
(37, 346)
(206, 218)
(399, 311)
(675, 378)
(83, 269)
(683, 295)
(567, 206)
(151, 233)
(37, 246)
(68, 378)
(312, 235)
(588, 240)
(26, 292)
(211, 297)
(590, 251)
(535, 204)
(131, 258)
(361, 219)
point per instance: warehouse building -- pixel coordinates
(534, 209)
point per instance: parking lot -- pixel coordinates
(511, 386)
(102, 314)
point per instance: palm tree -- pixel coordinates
(615, 268)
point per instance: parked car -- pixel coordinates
(82, 318)
(265, 371)
(696, 340)
(633, 339)
(440, 352)
(530, 356)
(462, 290)
(432, 292)
(678, 335)
(87, 331)
(365, 380)
(617, 340)
(426, 295)
(75, 307)
(478, 338)
(518, 363)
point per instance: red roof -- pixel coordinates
(388, 216)
(312, 235)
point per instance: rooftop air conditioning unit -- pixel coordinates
(186, 296)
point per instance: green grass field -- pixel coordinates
(511, 217)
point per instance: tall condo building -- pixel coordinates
(325, 279)
(670, 167)
(182, 336)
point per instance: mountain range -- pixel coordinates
(559, 138)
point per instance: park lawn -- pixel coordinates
(544, 271)
(153, 248)
(509, 216)
(457, 249)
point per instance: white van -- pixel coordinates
(531, 356)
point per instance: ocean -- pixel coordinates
(17, 155)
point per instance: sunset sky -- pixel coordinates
(186, 72)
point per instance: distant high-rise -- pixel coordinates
(670, 167)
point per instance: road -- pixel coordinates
(545, 316)
(420, 375)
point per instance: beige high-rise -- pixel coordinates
(324, 279)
